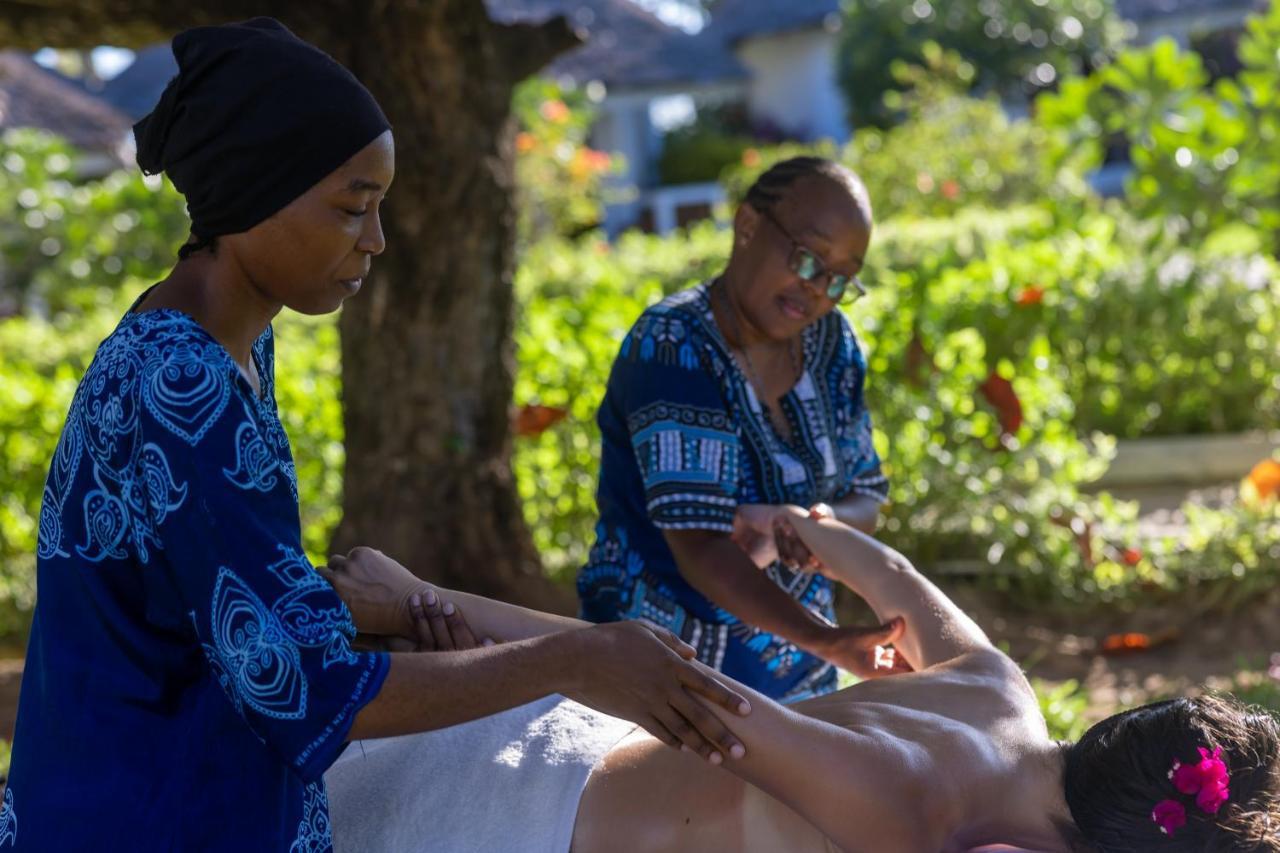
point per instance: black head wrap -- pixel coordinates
(254, 118)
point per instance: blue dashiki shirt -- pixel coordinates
(684, 442)
(189, 675)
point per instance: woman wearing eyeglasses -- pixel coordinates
(728, 401)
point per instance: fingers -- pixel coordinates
(720, 742)
(458, 627)
(792, 551)
(701, 684)
(421, 625)
(884, 635)
(651, 725)
(435, 618)
(821, 510)
(440, 626)
(688, 734)
(671, 641)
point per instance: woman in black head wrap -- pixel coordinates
(189, 675)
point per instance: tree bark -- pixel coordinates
(427, 350)
(428, 362)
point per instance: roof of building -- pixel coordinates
(626, 47)
(32, 96)
(735, 20)
(136, 90)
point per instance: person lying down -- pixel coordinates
(951, 757)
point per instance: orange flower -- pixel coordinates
(526, 142)
(1131, 641)
(554, 111)
(597, 161)
(1264, 480)
(950, 190)
(1032, 295)
(751, 158)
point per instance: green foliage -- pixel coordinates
(559, 179)
(42, 362)
(1010, 45)
(1064, 706)
(950, 305)
(1205, 155)
(71, 243)
(576, 303)
(951, 152)
(699, 153)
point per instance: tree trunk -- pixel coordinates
(426, 347)
(427, 355)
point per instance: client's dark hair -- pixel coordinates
(1119, 771)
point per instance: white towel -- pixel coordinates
(510, 782)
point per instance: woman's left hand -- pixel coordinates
(765, 534)
(753, 532)
(792, 551)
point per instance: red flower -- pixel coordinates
(918, 361)
(1169, 815)
(999, 392)
(950, 190)
(1131, 556)
(532, 419)
(1031, 295)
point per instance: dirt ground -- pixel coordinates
(1186, 651)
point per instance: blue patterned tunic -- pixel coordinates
(189, 675)
(684, 442)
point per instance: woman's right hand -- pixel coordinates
(866, 652)
(377, 591)
(646, 674)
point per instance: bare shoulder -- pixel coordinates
(991, 663)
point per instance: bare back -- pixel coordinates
(953, 756)
(962, 728)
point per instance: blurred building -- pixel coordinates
(35, 97)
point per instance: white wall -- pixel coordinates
(793, 83)
(623, 129)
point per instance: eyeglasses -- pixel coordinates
(810, 268)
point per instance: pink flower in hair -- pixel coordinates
(1210, 799)
(1186, 777)
(1169, 815)
(1207, 779)
(1213, 770)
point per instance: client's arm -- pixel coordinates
(624, 669)
(867, 789)
(377, 590)
(936, 629)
